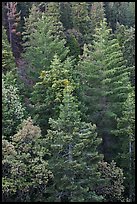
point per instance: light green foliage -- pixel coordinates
(113, 187)
(54, 13)
(25, 172)
(73, 147)
(8, 62)
(104, 83)
(41, 44)
(47, 94)
(12, 109)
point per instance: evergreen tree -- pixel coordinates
(126, 38)
(72, 145)
(8, 61)
(74, 41)
(122, 12)
(41, 44)
(104, 81)
(126, 133)
(54, 13)
(66, 15)
(25, 171)
(80, 18)
(47, 93)
(97, 15)
(24, 7)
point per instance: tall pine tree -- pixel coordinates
(126, 133)
(8, 61)
(126, 38)
(73, 153)
(80, 18)
(41, 43)
(105, 84)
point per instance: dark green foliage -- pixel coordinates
(74, 40)
(75, 77)
(126, 38)
(122, 12)
(8, 61)
(24, 7)
(73, 146)
(25, 172)
(126, 133)
(41, 44)
(66, 14)
(97, 15)
(104, 84)
(80, 18)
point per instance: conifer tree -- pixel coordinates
(97, 15)
(8, 61)
(80, 18)
(122, 12)
(105, 84)
(126, 133)
(47, 93)
(54, 13)
(41, 43)
(72, 146)
(66, 15)
(74, 42)
(126, 38)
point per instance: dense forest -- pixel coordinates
(68, 101)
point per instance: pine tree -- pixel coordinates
(48, 92)
(66, 15)
(8, 61)
(72, 145)
(80, 18)
(126, 133)
(26, 175)
(126, 38)
(104, 81)
(122, 12)
(97, 15)
(73, 39)
(54, 13)
(41, 45)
